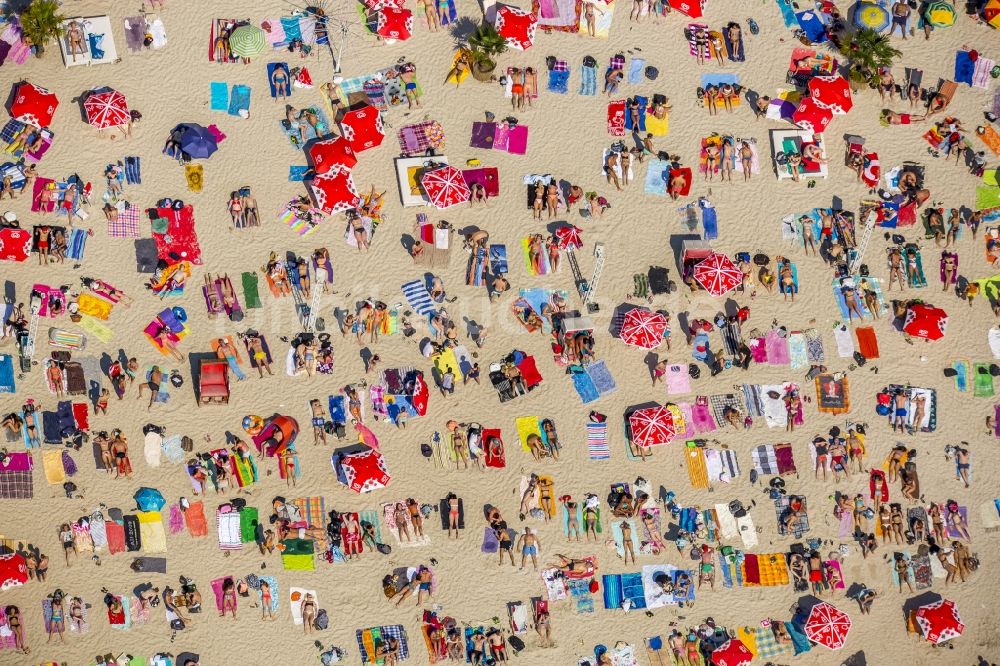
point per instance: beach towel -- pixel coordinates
(559, 77)
(152, 533)
(296, 595)
(588, 81)
(845, 341)
(16, 476)
(52, 464)
(696, 467)
(133, 533)
(636, 68)
(867, 341)
(983, 380)
(767, 645)
(418, 297)
(721, 465)
(616, 118)
(228, 527)
(239, 101)
(218, 96)
(799, 357)
(657, 172)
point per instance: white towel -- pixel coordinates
(151, 448)
(937, 571)
(994, 340)
(728, 527)
(159, 34)
(229, 531)
(845, 341)
(775, 414)
(295, 596)
(747, 531)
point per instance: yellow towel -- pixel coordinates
(93, 306)
(527, 425)
(454, 61)
(546, 484)
(193, 174)
(697, 470)
(446, 359)
(55, 473)
(749, 638)
(96, 328)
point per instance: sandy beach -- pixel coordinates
(567, 135)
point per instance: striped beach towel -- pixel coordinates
(418, 298)
(764, 459)
(597, 441)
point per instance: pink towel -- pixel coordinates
(502, 137)
(701, 415)
(777, 349)
(176, 519)
(758, 349)
(518, 142)
(217, 588)
(678, 381)
(846, 520)
(274, 33)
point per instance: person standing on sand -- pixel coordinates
(529, 545)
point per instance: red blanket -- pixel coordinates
(180, 239)
(80, 415)
(752, 575)
(529, 373)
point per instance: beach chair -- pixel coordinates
(213, 382)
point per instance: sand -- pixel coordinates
(567, 136)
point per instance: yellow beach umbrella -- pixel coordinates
(940, 14)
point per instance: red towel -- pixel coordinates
(616, 118)
(867, 342)
(194, 518)
(752, 576)
(116, 537)
(493, 461)
(529, 372)
(80, 414)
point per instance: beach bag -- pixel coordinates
(694, 371)
(187, 444)
(550, 62)
(383, 548)
(589, 61)
(322, 620)
(860, 359)
(426, 451)
(652, 73)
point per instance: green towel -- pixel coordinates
(983, 386)
(251, 298)
(298, 547)
(641, 281)
(248, 524)
(377, 640)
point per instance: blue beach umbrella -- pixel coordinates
(197, 141)
(149, 499)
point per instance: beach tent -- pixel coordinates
(732, 653)
(832, 93)
(690, 8)
(107, 108)
(365, 471)
(991, 12)
(828, 626)
(652, 426)
(33, 104)
(871, 16)
(925, 321)
(718, 274)
(394, 23)
(516, 26)
(336, 152)
(643, 328)
(362, 126)
(939, 621)
(569, 237)
(445, 187)
(812, 116)
(149, 499)
(334, 191)
(266, 438)
(247, 41)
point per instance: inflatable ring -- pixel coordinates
(179, 312)
(253, 424)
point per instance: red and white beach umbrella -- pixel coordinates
(336, 152)
(570, 237)
(33, 105)
(690, 8)
(939, 622)
(718, 274)
(15, 244)
(925, 321)
(445, 187)
(334, 191)
(365, 471)
(516, 26)
(362, 127)
(811, 116)
(652, 426)
(732, 653)
(106, 109)
(13, 571)
(643, 328)
(394, 23)
(832, 92)
(828, 626)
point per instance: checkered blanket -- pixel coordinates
(768, 646)
(127, 224)
(719, 404)
(418, 138)
(11, 130)
(313, 511)
(15, 477)
(800, 525)
(366, 641)
(560, 66)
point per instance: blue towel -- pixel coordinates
(727, 572)
(271, 66)
(601, 377)
(787, 12)
(588, 81)
(7, 374)
(297, 174)
(498, 259)
(290, 24)
(219, 96)
(964, 67)
(709, 219)
(612, 584)
(813, 26)
(133, 170)
(239, 100)
(657, 173)
(76, 245)
(559, 82)
(418, 298)
(635, 70)
(629, 124)
(96, 52)
(799, 639)
(632, 589)
(585, 388)
(719, 79)
(337, 412)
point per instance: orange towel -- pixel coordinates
(991, 138)
(867, 342)
(697, 470)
